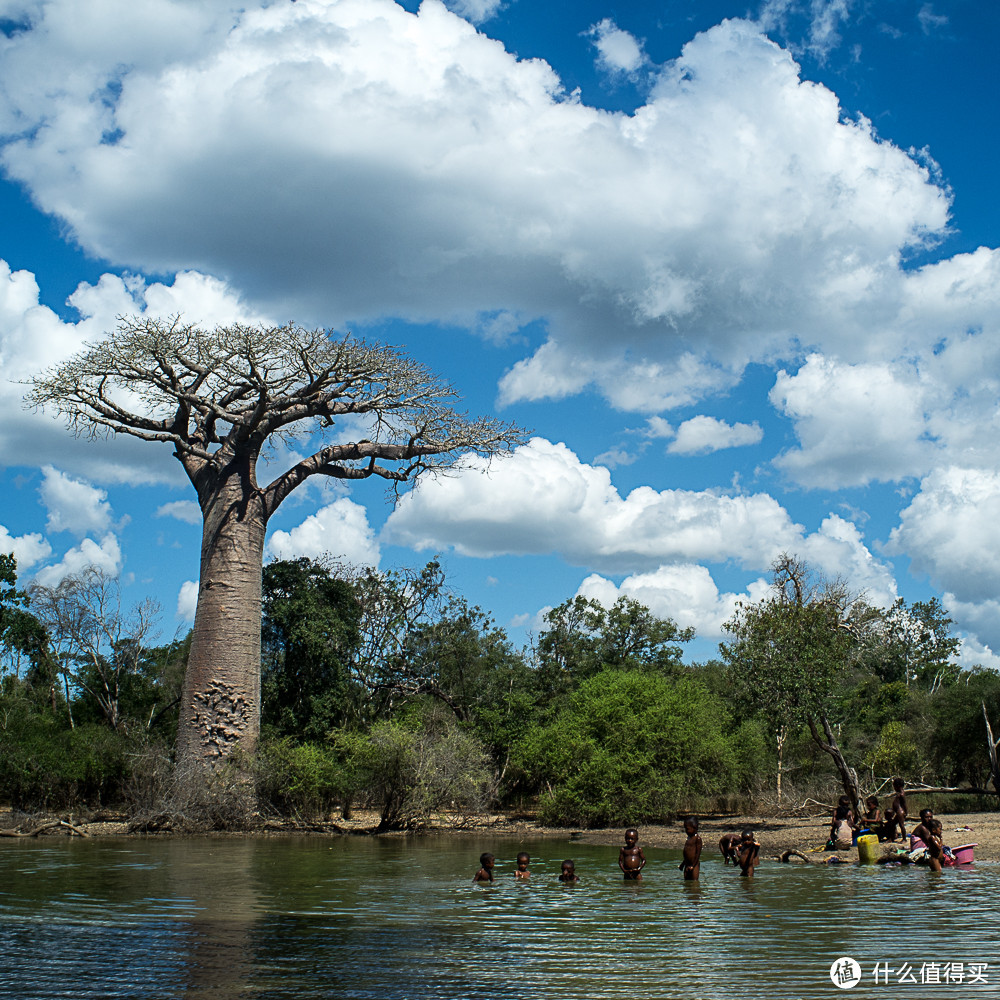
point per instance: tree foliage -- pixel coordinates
(630, 746)
(309, 635)
(583, 637)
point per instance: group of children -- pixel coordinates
(487, 862)
(741, 849)
(926, 842)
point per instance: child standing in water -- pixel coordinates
(631, 860)
(522, 866)
(691, 865)
(568, 873)
(935, 844)
(729, 845)
(748, 854)
(485, 873)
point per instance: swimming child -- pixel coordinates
(691, 865)
(568, 872)
(729, 845)
(631, 860)
(749, 854)
(522, 866)
(485, 873)
(895, 815)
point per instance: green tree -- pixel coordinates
(219, 399)
(583, 637)
(309, 635)
(630, 746)
(790, 653)
(914, 644)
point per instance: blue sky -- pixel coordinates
(734, 266)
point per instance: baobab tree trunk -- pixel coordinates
(220, 707)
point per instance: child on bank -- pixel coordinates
(691, 865)
(485, 873)
(631, 860)
(895, 815)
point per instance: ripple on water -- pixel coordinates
(307, 918)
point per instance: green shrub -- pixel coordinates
(631, 746)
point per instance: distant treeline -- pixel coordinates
(387, 690)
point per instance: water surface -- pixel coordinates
(386, 919)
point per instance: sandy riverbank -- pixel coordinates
(776, 835)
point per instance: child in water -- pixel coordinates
(485, 873)
(935, 844)
(691, 865)
(568, 873)
(729, 845)
(522, 866)
(748, 855)
(631, 860)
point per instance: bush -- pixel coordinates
(414, 767)
(303, 779)
(631, 746)
(43, 766)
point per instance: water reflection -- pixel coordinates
(399, 918)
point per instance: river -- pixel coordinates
(399, 919)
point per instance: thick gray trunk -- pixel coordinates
(220, 707)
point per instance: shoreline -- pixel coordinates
(776, 834)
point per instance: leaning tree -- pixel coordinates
(220, 398)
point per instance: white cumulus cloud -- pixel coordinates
(187, 600)
(339, 529)
(182, 510)
(701, 435)
(733, 216)
(543, 499)
(105, 555)
(26, 549)
(618, 51)
(951, 531)
(73, 505)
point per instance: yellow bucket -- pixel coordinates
(867, 849)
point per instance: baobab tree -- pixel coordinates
(219, 398)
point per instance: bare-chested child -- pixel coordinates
(485, 873)
(522, 866)
(935, 844)
(922, 830)
(729, 845)
(691, 865)
(871, 818)
(895, 815)
(748, 854)
(631, 860)
(568, 872)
